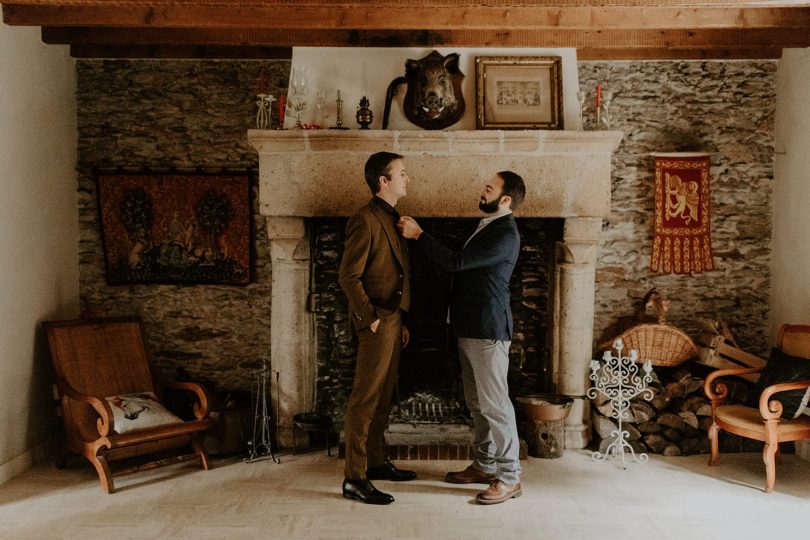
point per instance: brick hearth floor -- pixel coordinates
(567, 498)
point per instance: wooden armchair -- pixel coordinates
(95, 359)
(765, 422)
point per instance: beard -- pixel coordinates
(489, 207)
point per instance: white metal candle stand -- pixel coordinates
(619, 379)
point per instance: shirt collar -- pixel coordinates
(385, 206)
(492, 217)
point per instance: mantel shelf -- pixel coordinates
(320, 172)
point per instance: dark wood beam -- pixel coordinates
(191, 52)
(409, 16)
(648, 53)
(728, 39)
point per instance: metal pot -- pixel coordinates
(545, 407)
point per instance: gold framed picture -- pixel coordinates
(518, 92)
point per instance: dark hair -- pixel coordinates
(376, 166)
(514, 187)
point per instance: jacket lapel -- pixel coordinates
(387, 226)
(503, 221)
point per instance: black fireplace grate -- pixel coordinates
(423, 408)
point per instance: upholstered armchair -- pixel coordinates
(111, 408)
(765, 422)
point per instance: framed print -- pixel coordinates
(518, 92)
(175, 228)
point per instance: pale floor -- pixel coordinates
(568, 498)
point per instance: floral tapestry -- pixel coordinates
(175, 228)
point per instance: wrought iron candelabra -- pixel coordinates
(619, 379)
(261, 445)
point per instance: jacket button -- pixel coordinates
(399, 293)
(401, 276)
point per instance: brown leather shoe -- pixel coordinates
(498, 492)
(470, 475)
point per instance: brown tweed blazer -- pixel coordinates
(374, 271)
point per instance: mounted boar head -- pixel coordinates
(433, 99)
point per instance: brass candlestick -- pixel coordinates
(364, 115)
(339, 119)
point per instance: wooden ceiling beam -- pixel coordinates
(650, 53)
(731, 39)
(190, 52)
(402, 16)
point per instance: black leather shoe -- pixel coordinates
(365, 492)
(389, 471)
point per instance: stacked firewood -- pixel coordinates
(674, 422)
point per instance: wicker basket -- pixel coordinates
(661, 344)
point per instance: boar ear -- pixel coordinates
(451, 62)
(411, 67)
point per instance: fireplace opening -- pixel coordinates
(429, 388)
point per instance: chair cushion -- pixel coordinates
(139, 411)
(748, 418)
(782, 368)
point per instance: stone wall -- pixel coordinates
(727, 109)
(162, 115)
(187, 114)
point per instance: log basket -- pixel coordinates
(661, 344)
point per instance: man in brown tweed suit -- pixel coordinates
(374, 275)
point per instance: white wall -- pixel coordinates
(790, 262)
(332, 69)
(39, 233)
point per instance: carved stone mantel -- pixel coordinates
(320, 173)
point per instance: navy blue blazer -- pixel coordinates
(479, 297)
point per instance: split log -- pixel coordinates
(642, 412)
(650, 426)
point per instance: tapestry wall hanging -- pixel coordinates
(175, 228)
(682, 236)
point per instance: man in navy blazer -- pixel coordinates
(481, 318)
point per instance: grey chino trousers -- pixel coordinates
(484, 368)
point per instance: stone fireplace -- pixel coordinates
(306, 174)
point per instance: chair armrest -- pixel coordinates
(772, 408)
(102, 408)
(717, 391)
(201, 408)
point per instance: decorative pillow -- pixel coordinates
(139, 411)
(782, 368)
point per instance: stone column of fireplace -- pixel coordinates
(291, 326)
(576, 274)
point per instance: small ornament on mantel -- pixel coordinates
(339, 113)
(364, 115)
(264, 103)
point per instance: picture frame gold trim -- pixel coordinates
(518, 92)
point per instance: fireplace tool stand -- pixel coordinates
(619, 379)
(260, 447)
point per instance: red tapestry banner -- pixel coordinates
(682, 237)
